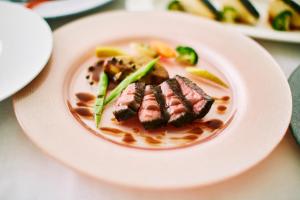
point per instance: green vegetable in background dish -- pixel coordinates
(246, 11)
(279, 17)
(135, 76)
(229, 14)
(186, 55)
(99, 104)
(175, 6)
(282, 21)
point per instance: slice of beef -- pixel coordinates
(151, 113)
(129, 102)
(200, 101)
(177, 107)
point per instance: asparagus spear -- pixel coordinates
(135, 76)
(98, 108)
(206, 75)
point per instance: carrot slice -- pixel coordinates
(163, 49)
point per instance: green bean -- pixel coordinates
(135, 76)
(99, 104)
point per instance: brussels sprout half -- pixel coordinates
(186, 55)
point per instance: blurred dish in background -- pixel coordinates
(25, 47)
(276, 20)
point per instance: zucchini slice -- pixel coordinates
(282, 21)
(247, 13)
(175, 5)
(279, 6)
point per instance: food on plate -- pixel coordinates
(206, 75)
(145, 49)
(200, 101)
(202, 8)
(282, 21)
(242, 11)
(176, 101)
(186, 55)
(179, 110)
(229, 14)
(118, 68)
(175, 5)
(163, 49)
(99, 104)
(133, 77)
(152, 112)
(108, 52)
(284, 15)
(129, 101)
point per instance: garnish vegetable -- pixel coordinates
(99, 104)
(229, 14)
(206, 75)
(282, 21)
(163, 49)
(135, 76)
(186, 55)
(175, 6)
(284, 15)
(144, 49)
(108, 52)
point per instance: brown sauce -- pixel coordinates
(85, 97)
(225, 98)
(221, 108)
(159, 137)
(190, 137)
(196, 130)
(84, 112)
(213, 124)
(128, 138)
(135, 130)
(187, 137)
(114, 131)
(152, 140)
(82, 104)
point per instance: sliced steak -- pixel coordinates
(151, 113)
(178, 109)
(129, 102)
(199, 100)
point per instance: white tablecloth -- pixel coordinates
(28, 174)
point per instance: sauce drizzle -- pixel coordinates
(85, 97)
(221, 108)
(196, 130)
(152, 140)
(128, 138)
(213, 124)
(84, 112)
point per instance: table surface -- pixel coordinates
(27, 173)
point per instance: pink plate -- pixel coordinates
(257, 118)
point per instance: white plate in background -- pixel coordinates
(25, 47)
(62, 8)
